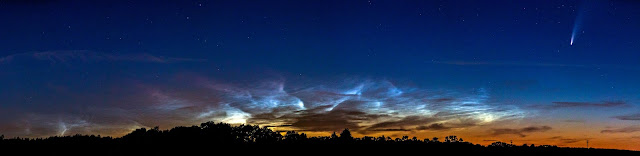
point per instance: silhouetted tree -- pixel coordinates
(346, 135)
(451, 138)
(499, 144)
(211, 133)
(293, 136)
(334, 136)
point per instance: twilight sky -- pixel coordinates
(558, 72)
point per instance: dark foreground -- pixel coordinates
(223, 139)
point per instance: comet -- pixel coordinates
(572, 36)
(583, 9)
(576, 28)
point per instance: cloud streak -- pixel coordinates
(561, 105)
(434, 127)
(564, 140)
(634, 117)
(90, 56)
(530, 64)
(629, 129)
(466, 63)
(520, 132)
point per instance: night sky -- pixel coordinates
(555, 72)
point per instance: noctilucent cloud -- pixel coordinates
(557, 72)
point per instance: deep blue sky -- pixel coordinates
(74, 60)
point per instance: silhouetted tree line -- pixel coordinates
(211, 133)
